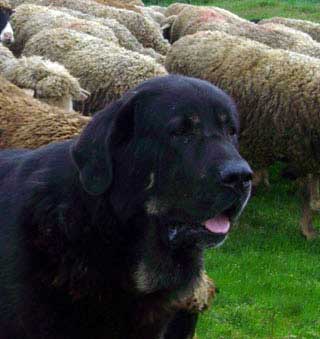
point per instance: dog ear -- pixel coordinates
(92, 151)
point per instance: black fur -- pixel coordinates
(99, 234)
(256, 20)
(5, 14)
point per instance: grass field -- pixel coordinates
(268, 275)
(251, 9)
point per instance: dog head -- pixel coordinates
(6, 32)
(170, 147)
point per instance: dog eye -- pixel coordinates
(232, 131)
(184, 129)
(180, 132)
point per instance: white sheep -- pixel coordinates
(152, 14)
(147, 32)
(309, 27)
(194, 19)
(28, 123)
(30, 19)
(49, 81)
(104, 69)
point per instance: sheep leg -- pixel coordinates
(261, 177)
(313, 186)
(310, 200)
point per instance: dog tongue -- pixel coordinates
(219, 224)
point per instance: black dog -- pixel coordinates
(100, 234)
(6, 32)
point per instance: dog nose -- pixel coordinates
(236, 174)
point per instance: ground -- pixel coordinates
(251, 9)
(268, 275)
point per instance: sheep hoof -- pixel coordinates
(315, 205)
(84, 94)
(261, 177)
(309, 232)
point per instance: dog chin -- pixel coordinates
(243, 205)
(193, 236)
(219, 244)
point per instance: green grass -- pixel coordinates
(268, 275)
(251, 9)
(308, 10)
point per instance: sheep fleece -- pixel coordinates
(273, 88)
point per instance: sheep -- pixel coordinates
(309, 27)
(6, 32)
(176, 8)
(153, 15)
(125, 37)
(30, 19)
(195, 19)
(132, 2)
(166, 26)
(290, 39)
(146, 32)
(120, 4)
(273, 87)
(104, 69)
(28, 123)
(159, 9)
(49, 81)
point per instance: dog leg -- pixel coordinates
(183, 324)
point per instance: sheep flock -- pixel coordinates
(72, 57)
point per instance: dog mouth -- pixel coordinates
(219, 224)
(186, 230)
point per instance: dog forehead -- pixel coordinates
(163, 99)
(182, 89)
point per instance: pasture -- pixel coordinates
(269, 276)
(251, 9)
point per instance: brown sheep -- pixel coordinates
(309, 27)
(27, 123)
(104, 69)
(195, 19)
(146, 32)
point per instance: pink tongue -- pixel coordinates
(219, 224)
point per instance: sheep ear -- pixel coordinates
(92, 151)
